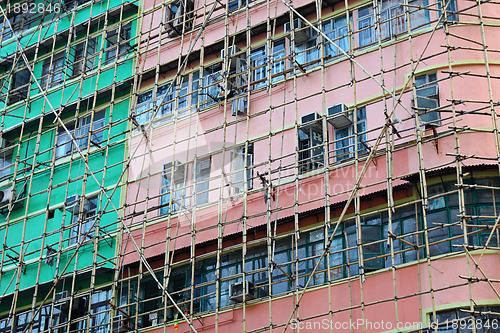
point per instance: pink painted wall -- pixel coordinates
(378, 297)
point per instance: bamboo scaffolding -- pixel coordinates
(186, 229)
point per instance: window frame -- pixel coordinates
(83, 222)
(85, 59)
(19, 87)
(120, 48)
(83, 126)
(310, 146)
(173, 190)
(53, 70)
(346, 136)
(425, 83)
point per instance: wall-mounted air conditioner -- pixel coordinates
(3, 143)
(339, 117)
(310, 120)
(7, 195)
(239, 106)
(120, 324)
(72, 203)
(236, 291)
(179, 171)
(63, 295)
(61, 300)
(301, 31)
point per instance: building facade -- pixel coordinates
(67, 76)
(250, 166)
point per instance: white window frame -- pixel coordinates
(241, 175)
(82, 225)
(312, 156)
(202, 180)
(346, 143)
(427, 92)
(86, 55)
(173, 188)
(19, 87)
(336, 30)
(53, 70)
(365, 21)
(80, 133)
(119, 48)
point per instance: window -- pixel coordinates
(427, 99)
(212, 85)
(258, 61)
(99, 312)
(238, 173)
(371, 234)
(392, 19)
(307, 52)
(365, 26)
(118, 42)
(179, 17)
(168, 98)
(81, 225)
(419, 18)
(165, 99)
(278, 58)
(202, 181)
(144, 109)
(20, 20)
(236, 4)
(336, 30)
(53, 71)
(144, 298)
(345, 138)
(5, 163)
(374, 228)
(173, 187)
(310, 146)
(19, 86)
(85, 127)
(310, 247)
(451, 10)
(85, 56)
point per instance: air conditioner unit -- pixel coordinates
(236, 291)
(72, 203)
(7, 195)
(310, 120)
(301, 33)
(3, 143)
(120, 324)
(179, 171)
(239, 106)
(339, 117)
(63, 295)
